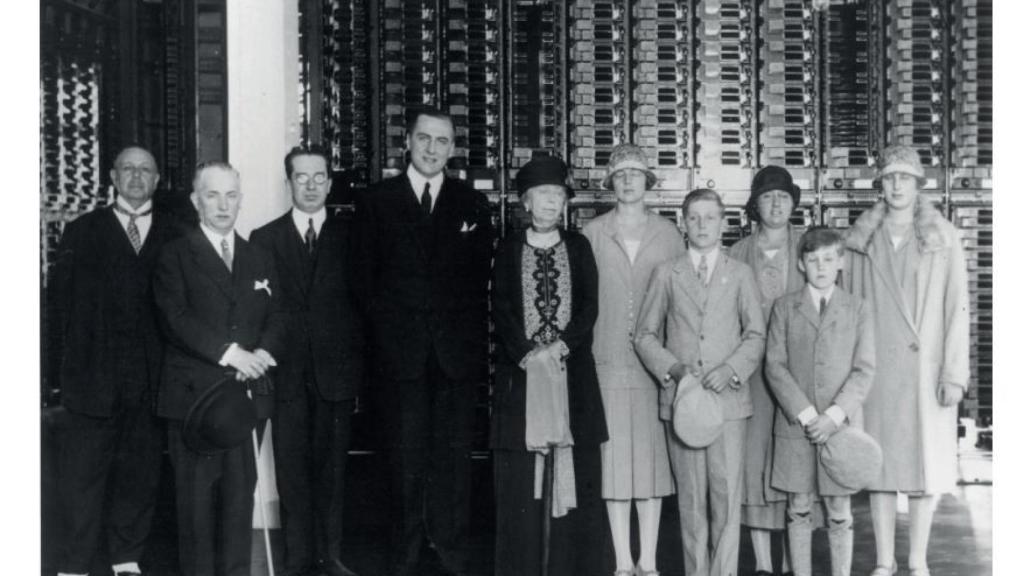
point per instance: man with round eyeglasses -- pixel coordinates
(318, 379)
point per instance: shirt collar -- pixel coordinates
(215, 238)
(301, 220)
(816, 294)
(712, 258)
(146, 207)
(418, 180)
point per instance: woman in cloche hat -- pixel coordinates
(546, 399)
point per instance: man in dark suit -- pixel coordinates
(108, 351)
(320, 374)
(425, 250)
(216, 297)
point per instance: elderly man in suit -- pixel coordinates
(425, 249)
(317, 380)
(216, 296)
(708, 307)
(108, 352)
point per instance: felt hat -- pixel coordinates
(221, 418)
(767, 179)
(626, 156)
(851, 458)
(696, 413)
(543, 170)
(899, 158)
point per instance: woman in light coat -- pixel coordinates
(772, 252)
(906, 259)
(628, 243)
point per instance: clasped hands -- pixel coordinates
(820, 429)
(556, 351)
(716, 380)
(249, 365)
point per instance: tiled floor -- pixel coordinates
(961, 538)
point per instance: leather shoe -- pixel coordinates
(334, 567)
(763, 573)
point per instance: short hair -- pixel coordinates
(413, 115)
(210, 165)
(818, 237)
(136, 147)
(701, 194)
(311, 150)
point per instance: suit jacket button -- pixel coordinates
(914, 347)
(700, 363)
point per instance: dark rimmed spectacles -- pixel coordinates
(303, 179)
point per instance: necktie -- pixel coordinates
(225, 253)
(310, 238)
(426, 199)
(702, 270)
(133, 230)
(821, 307)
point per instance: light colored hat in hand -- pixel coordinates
(852, 458)
(628, 156)
(696, 413)
(899, 158)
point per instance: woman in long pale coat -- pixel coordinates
(906, 259)
(772, 252)
(628, 243)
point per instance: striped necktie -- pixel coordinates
(702, 270)
(225, 253)
(133, 230)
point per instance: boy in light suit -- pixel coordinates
(820, 365)
(706, 304)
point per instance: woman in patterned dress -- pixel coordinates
(772, 253)
(628, 243)
(544, 302)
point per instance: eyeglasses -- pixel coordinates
(302, 178)
(128, 170)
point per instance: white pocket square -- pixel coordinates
(467, 228)
(263, 285)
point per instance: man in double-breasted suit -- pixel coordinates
(107, 353)
(218, 308)
(425, 249)
(322, 368)
(708, 308)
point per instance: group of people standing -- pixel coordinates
(599, 336)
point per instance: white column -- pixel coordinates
(263, 103)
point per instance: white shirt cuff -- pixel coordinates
(224, 359)
(806, 415)
(837, 414)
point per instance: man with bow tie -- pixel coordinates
(107, 353)
(218, 306)
(322, 370)
(425, 243)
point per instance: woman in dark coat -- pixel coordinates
(544, 303)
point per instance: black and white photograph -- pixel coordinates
(510, 288)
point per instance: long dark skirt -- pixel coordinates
(574, 537)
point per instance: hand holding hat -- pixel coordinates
(851, 458)
(696, 413)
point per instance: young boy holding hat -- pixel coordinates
(707, 306)
(820, 365)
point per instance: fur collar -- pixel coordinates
(932, 230)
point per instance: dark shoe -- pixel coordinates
(790, 573)
(763, 573)
(334, 567)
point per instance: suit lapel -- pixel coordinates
(118, 234)
(209, 262)
(242, 267)
(410, 206)
(692, 286)
(807, 308)
(294, 246)
(721, 275)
